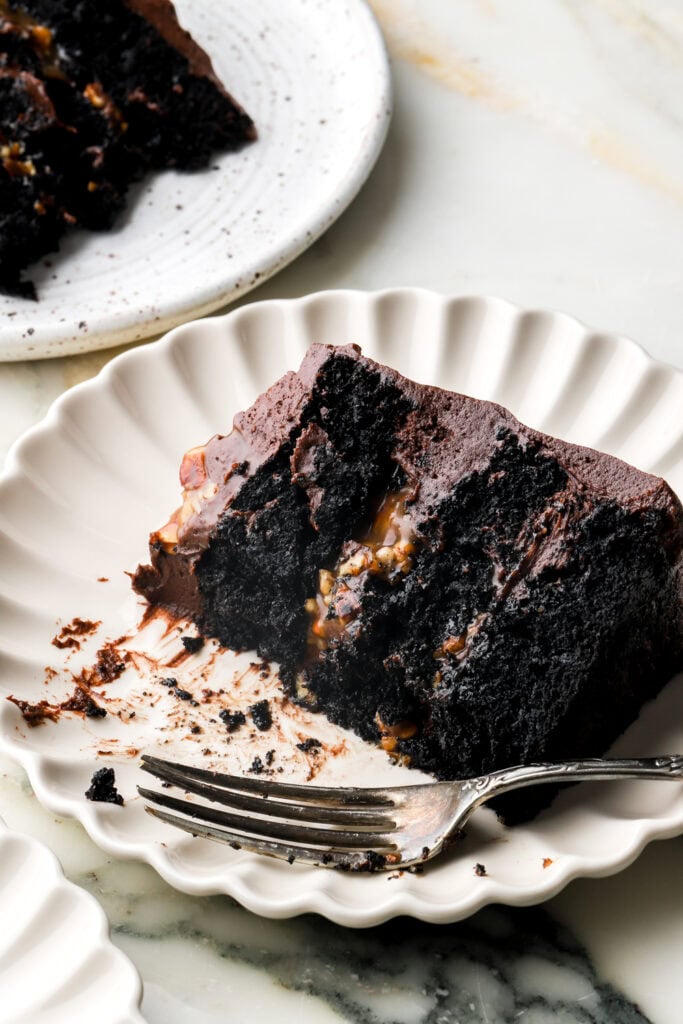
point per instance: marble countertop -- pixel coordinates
(535, 153)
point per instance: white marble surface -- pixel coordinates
(536, 152)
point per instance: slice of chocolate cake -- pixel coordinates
(92, 95)
(468, 592)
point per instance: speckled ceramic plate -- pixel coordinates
(57, 964)
(314, 76)
(83, 489)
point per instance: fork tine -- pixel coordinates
(270, 829)
(324, 858)
(326, 815)
(286, 791)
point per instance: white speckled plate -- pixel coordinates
(314, 76)
(83, 489)
(57, 964)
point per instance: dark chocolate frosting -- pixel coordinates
(445, 437)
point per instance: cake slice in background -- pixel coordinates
(93, 95)
(465, 591)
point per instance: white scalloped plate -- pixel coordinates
(83, 489)
(314, 76)
(57, 963)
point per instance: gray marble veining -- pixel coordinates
(504, 965)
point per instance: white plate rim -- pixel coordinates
(128, 1000)
(253, 270)
(318, 900)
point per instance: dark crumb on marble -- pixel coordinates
(256, 766)
(232, 719)
(291, 858)
(169, 681)
(309, 744)
(270, 757)
(480, 870)
(195, 729)
(261, 716)
(207, 752)
(192, 644)
(425, 852)
(103, 788)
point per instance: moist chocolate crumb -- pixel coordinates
(172, 683)
(291, 858)
(480, 870)
(195, 730)
(373, 862)
(82, 701)
(36, 714)
(110, 663)
(309, 744)
(261, 716)
(103, 788)
(192, 644)
(270, 757)
(232, 719)
(256, 766)
(184, 695)
(68, 635)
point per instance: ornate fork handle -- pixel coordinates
(666, 767)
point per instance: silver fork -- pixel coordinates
(358, 829)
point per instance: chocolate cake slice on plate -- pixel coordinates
(93, 95)
(465, 591)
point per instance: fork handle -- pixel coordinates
(596, 769)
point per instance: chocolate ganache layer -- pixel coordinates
(466, 591)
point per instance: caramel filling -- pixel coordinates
(391, 734)
(14, 161)
(385, 549)
(198, 488)
(457, 646)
